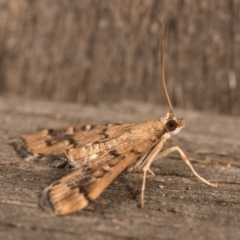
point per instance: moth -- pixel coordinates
(98, 154)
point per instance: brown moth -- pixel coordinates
(99, 154)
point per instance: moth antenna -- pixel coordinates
(162, 69)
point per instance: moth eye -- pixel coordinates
(171, 125)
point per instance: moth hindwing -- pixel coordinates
(99, 154)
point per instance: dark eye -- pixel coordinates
(171, 125)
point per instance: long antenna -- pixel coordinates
(162, 68)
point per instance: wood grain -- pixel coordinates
(177, 205)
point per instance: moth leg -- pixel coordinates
(185, 159)
(150, 157)
(151, 172)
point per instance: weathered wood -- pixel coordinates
(178, 206)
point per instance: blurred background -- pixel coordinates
(93, 51)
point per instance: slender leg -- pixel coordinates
(184, 158)
(150, 157)
(154, 154)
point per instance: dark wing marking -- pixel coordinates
(52, 143)
(74, 191)
(60, 139)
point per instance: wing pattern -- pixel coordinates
(99, 153)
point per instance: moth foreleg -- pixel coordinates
(149, 158)
(185, 159)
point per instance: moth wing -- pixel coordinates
(74, 191)
(49, 144)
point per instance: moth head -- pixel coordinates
(172, 125)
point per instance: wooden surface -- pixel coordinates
(178, 206)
